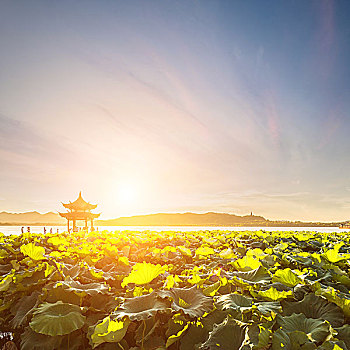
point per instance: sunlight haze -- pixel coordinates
(176, 106)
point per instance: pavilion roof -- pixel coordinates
(79, 215)
(79, 204)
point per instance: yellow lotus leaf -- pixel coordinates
(184, 251)
(273, 294)
(204, 251)
(143, 273)
(33, 251)
(3, 253)
(246, 263)
(57, 241)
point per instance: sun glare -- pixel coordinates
(127, 193)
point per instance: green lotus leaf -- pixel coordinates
(316, 330)
(31, 340)
(336, 297)
(313, 306)
(344, 334)
(259, 336)
(84, 289)
(234, 302)
(333, 345)
(258, 275)
(57, 319)
(143, 273)
(273, 294)
(175, 337)
(145, 331)
(57, 292)
(33, 251)
(5, 283)
(266, 307)
(24, 308)
(228, 335)
(282, 340)
(108, 331)
(212, 289)
(141, 308)
(198, 332)
(287, 277)
(191, 301)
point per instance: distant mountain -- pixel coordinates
(186, 219)
(177, 219)
(31, 218)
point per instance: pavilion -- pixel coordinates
(79, 210)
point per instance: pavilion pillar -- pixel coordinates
(68, 225)
(74, 226)
(86, 226)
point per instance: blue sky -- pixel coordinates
(166, 106)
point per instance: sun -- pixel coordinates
(127, 193)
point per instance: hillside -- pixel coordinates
(186, 219)
(161, 219)
(31, 218)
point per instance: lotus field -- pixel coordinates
(176, 290)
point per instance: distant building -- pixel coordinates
(79, 210)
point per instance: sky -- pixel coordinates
(176, 106)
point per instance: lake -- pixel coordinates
(16, 230)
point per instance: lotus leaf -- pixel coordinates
(313, 306)
(333, 345)
(204, 251)
(141, 308)
(185, 251)
(5, 283)
(273, 294)
(247, 263)
(33, 251)
(175, 337)
(333, 256)
(258, 275)
(266, 308)
(287, 277)
(108, 330)
(145, 330)
(24, 308)
(259, 336)
(190, 301)
(344, 334)
(31, 340)
(143, 273)
(84, 289)
(315, 330)
(228, 335)
(234, 302)
(57, 319)
(292, 340)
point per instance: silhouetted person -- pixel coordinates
(22, 229)
(51, 230)
(44, 230)
(28, 229)
(57, 230)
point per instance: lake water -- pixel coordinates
(16, 230)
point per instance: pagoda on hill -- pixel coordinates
(80, 210)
